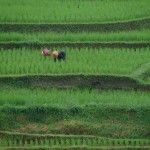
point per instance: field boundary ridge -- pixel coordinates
(77, 27)
(10, 45)
(104, 82)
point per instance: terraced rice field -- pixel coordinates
(98, 98)
(90, 61)
(65, 98)
(134, 36)
(72, 11)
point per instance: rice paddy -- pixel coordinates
(73, 97)
(65, 11)
(83, 61)
(98, 98)
(135, 35)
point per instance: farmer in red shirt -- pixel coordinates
(56, 54)
(45, 52)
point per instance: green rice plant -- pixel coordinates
(62, 142)
(36, 142)
(73, 143)
(26, 143)
(76, 98)
(1, 143)
(86, 61)
(68, 142)
(77, 141)
(111, 142)
(84, 142)
(31, 143)
(126, 141)
(96, 142)
(56, 141)
(106, 142)
(42, 141)
(10, 143)
(56, 11)
(142, 143)
(117, 142)
(122, 142)
(147, 142)
(15, 142)
(89, 142)
(52, 142)
(100, 142)
(138, 143)
(47, 143)
(132, 142)
(20, 143)
(135, 35)
(4, 143)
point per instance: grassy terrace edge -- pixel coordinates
(6, 45)
(81, 148)
(77, 27)
(75, 81)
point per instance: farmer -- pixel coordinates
(45, 52)
(56, 54)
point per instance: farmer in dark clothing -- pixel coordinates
(56, 54)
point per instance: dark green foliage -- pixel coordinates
(93, 27)
(38, 45)
(7, 121)
(80, 81)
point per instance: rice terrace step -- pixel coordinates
(79, 45)
(77, 27)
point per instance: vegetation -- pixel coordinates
(64, 141)
(73, 98)
(137, 35)
(67, 117)
(83, 61)
(56, 11)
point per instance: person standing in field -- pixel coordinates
(56, 54)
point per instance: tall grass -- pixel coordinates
(137, 35)
(73, 98)
(50, 11)
(83, 61)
